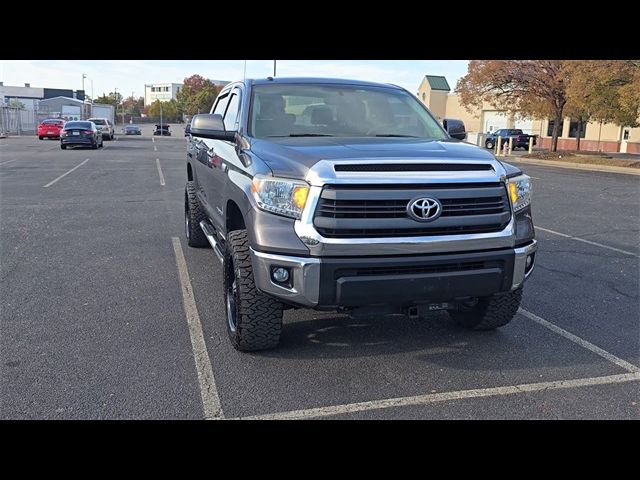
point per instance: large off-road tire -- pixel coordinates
(489, 312)
(193, 215)
(254, 320)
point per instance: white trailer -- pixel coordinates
(101, 110)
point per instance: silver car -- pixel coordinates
(104, 126)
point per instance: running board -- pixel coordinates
(211, 236)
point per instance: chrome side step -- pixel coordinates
(211, 237)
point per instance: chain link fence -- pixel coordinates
(21, 121)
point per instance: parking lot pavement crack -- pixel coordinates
(608, 283)
(557, 270)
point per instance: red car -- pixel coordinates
(50, 128)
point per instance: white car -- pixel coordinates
(105, 126)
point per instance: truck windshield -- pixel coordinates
(298, 110)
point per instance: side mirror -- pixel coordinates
(455, 128)
(210, 125)
(187, 130)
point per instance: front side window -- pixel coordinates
(232, 113)
(221, 106)
(282, 110)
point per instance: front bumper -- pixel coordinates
(330, 283)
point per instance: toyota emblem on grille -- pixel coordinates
(424, 209)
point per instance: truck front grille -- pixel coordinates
(398, 208)
(381, 211)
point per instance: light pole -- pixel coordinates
(133, 107)
(274, 68)
(83, 116)
(115, 94)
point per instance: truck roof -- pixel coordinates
(318, 80)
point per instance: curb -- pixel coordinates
(578, 166)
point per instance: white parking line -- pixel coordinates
(587, 241)
(9, 161)
(583, 343)
(208, 389)
(153, 139)
(155, 149)
(65, 174)
(160, 172)
(445, 396)
(633, 375)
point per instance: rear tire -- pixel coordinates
(63, 147)
(40, 137)
(193, 215)
(489, 144)
(94, 145)
(490, 312)
(254, 320)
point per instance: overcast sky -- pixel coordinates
(131, 75)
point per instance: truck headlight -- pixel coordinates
(519, 191)
(280, 195)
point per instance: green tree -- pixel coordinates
(103, 99)
(133, 106)
(114, 98)
(605, 90)
(527, 88)
(197, 95)
(170, 111)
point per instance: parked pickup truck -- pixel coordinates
(520, 140)
(344, 207)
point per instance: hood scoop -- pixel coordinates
(412, 167)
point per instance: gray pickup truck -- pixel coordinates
(350, 196)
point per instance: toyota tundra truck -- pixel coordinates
(350, 196)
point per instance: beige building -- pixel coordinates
(434, 91)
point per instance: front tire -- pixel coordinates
(63, 147)
(40, 137)
(94, 145)
(193, 215)
(489, 144)
(254, 320)
(489, 313)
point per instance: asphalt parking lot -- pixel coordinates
(102, 303)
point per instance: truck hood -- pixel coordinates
(293, 157)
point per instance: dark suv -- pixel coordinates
(350, 196)
(162, 130)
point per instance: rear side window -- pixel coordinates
(52, 122)
(99, 121)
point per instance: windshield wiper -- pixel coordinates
(395, 135)
(303, 135)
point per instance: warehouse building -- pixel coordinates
(30, 96)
